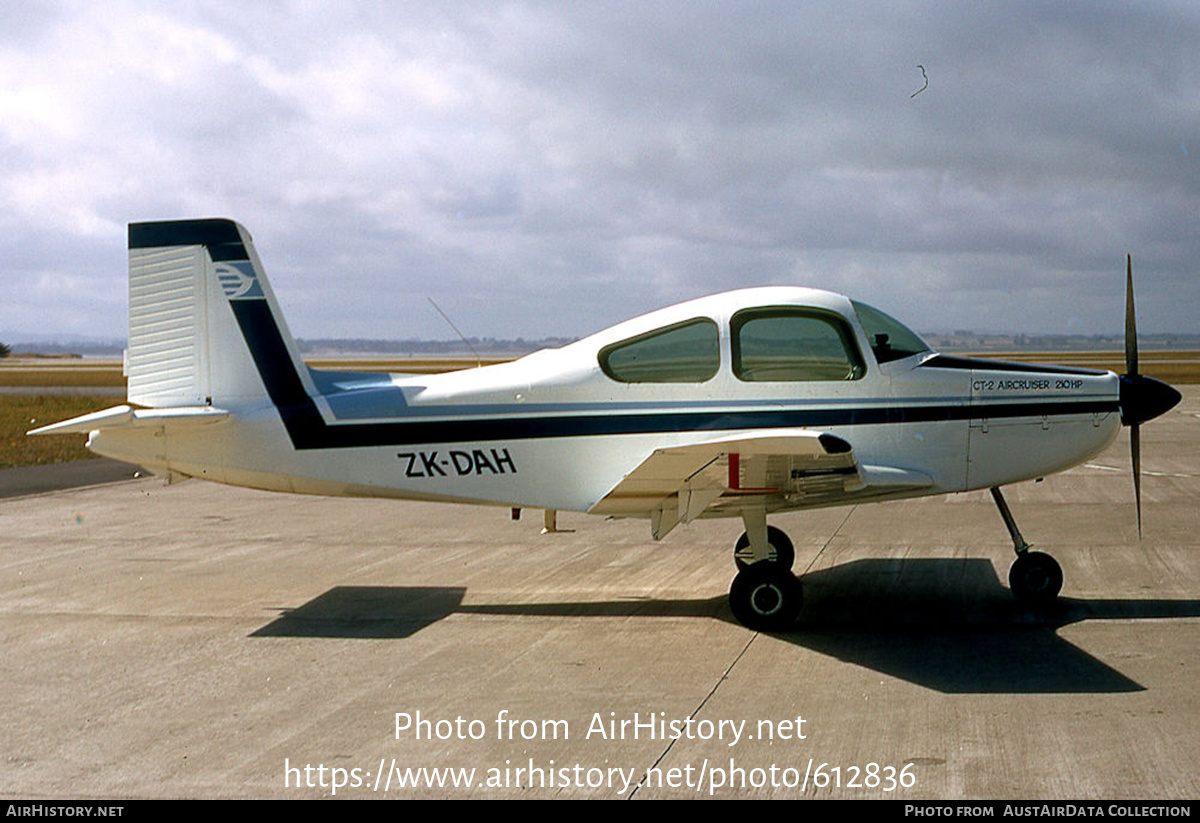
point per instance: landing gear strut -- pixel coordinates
(1034, 577)
(780, 550)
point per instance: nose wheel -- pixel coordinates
(1036, 578)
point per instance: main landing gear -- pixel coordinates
(765, 595)
(1034, 577)
(779, 549)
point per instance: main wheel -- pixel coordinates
(1035, 577)
(766, 597)
(779, 549)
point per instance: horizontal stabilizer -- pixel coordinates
(127, 417)
(116, 416)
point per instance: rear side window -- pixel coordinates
(684, 353)
(787, 344)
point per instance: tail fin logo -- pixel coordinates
(238, 280)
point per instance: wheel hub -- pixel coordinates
(767, 599)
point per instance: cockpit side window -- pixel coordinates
(687, 352)
(782, 343)
(890, 339)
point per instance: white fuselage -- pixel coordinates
(554, 430)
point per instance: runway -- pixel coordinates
(195, 640)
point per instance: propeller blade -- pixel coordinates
(1135, 448)
(1131, 342)
(1131, 370)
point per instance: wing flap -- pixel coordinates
(696, 466)
(773, 470)
(678, 484)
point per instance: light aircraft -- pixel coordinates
(742, 404)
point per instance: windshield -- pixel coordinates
(890, 339)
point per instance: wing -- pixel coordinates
(773, 470)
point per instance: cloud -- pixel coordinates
(547, 169)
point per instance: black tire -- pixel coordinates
(781, 551)
(1035, 578)
(766, 598)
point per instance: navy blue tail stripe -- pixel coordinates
(300, 415)
(185, 233)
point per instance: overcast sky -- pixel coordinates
(545, 168)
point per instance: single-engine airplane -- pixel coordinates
(742, 404)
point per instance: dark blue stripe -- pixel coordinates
(350, 435)
(300, 414)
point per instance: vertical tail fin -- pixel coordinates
(201, 317)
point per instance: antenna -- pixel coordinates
(461, 336)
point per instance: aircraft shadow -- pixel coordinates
(945, 624)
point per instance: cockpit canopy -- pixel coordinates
(768, 343)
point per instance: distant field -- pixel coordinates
(19, 371)
(107, 372)
(1171, 366)
(20, 413)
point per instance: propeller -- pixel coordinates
(1142, 398)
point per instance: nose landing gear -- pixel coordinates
(1034, 577)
